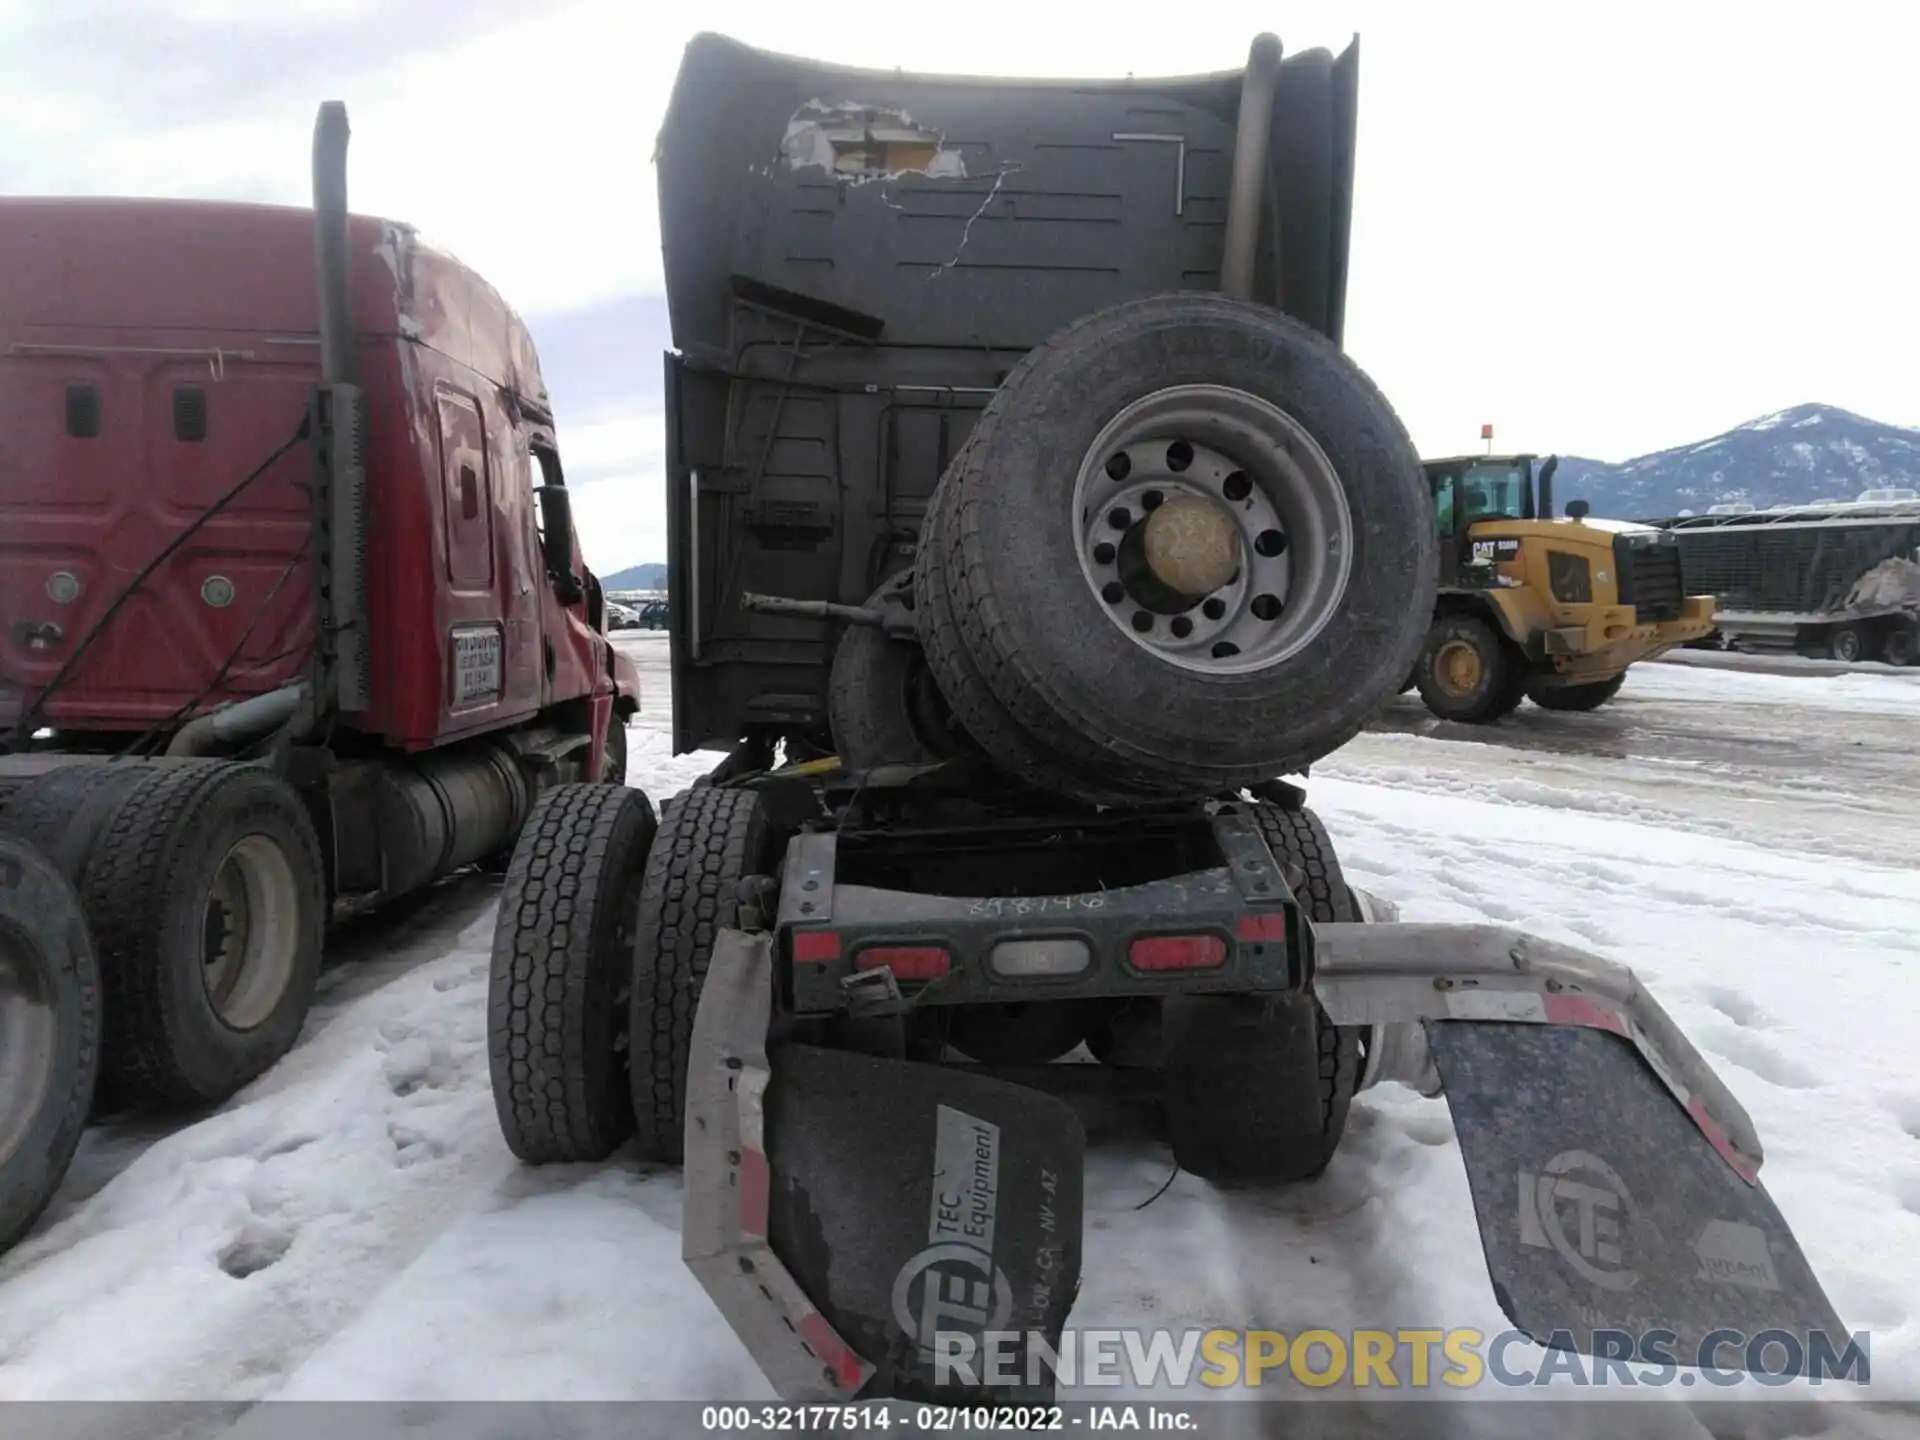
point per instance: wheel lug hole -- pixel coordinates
(1266, 607)
(1152, 500)
(1120, 518)
(1179, 456)
(1119, 466)
(1142, 621)
(1214, 608)
(1103, 553)
(1237, 487)
(1113, 592)
(1269, 543)
(1182, 627)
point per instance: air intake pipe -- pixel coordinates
(1248, 185)
(330, 134)
(343, 676)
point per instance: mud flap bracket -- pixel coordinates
(725, 1221)
(1403, 974)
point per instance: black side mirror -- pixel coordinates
(556, 520)
(1577, 509)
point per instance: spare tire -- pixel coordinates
(1187, 531)
(882, 705)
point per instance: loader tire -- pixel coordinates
(1258, 1088)
(710, 839)
(1469, 673)
(50, 1019)
(205, 892)
(557, 1003)
(1043, 628)
(1579, 698)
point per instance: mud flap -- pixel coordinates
(1611, 1224)
(932, 1215)
(858, 1219)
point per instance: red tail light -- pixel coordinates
(815, 947)
(908, 962)
(1178, 952)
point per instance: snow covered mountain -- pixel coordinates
(1796, 457)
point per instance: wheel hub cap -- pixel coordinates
(251, 930)
(1458, 666)
(1191, 546)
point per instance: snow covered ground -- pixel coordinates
(352, 1227)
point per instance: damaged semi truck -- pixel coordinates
(1029, 524)
(292, 623)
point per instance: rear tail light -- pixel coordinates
(1178, 952)
(908, 962)
(815, 947)
(1059, 955)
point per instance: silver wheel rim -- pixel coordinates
(29, 1037)
(1286, 514)
(251, 932)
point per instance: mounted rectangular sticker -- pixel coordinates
(477, 652)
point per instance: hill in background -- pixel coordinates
(1800, 456)
(636, 577)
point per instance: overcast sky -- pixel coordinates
(1604, 228)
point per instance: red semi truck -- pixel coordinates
(293, 622)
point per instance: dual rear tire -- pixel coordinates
(1257, 1088)
(607, 922)
(607, 925)
(203, 884)
(160, 941)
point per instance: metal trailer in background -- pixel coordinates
(1839, 581)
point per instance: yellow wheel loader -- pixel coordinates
(1534, 606)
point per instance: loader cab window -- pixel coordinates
(1493, 491)
(1443, 486)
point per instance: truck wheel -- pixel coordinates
(964, 686)
(557, 997)
(1258, 1088)
(1902, 646)
(49, 1033)
(1189, 534)
(61, 812)
(1848, 644)
(882, 703)
(1468, 673)
(710, 839)
(1576, 697)
(205, 892)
